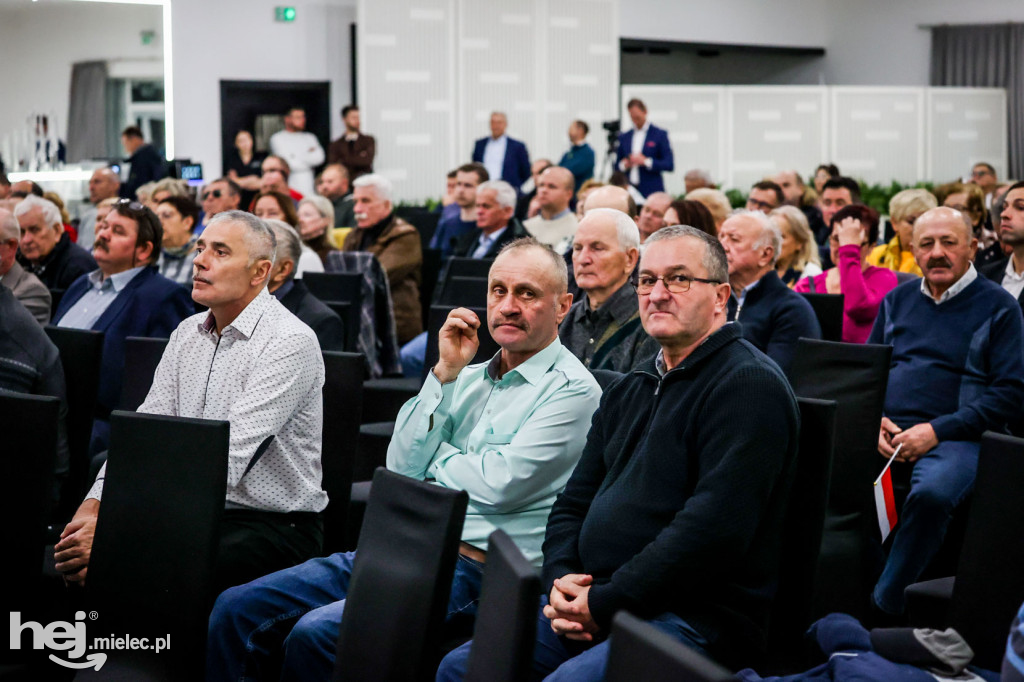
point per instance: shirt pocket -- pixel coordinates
(498, 438)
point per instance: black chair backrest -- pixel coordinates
(792, 608)
(506, 622)
(335, 286)
(343, 405)
(423, 219)
(855, 376)
(401, 580)
(468, 267)
(152, 566)
(141, 357)
(902, 277)
(29, 454)
(989, 584)
(349, 313)
(80, 353)
(431, 272)
(828, 308)
(438, 314)
(470, 292)
(639, 651)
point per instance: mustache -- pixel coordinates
(197, 278)
(499, 321)
(938, 263)
(101, 244)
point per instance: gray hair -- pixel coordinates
(625, 227)
(503, 192)
(911, 201)
(558, 268)
(177, 188)
(807, 251)
(259, 238)
(380, 184)
(289, 244)
(9, 227)
(713, 260)
(323, 206)
(770, 233)
(699, 174)
(51, 214)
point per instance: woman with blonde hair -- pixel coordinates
(904, 210)
(316, 218)
(713, 200)
(798, 256)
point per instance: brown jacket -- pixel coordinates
(400, 254)
(358, 158)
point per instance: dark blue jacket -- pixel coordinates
(151, 305)
(658, 149)
(516, 168)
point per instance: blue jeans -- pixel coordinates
(939, 483)
(300, 609)
(414, 356)
(556, 659)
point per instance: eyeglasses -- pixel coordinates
(130, 205)
(216, 194)
(676, 284)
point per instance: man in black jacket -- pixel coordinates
(293, 294)
(675, 509)
(144, 161)
(496, 226)
(46, 249)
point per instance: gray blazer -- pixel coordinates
(28, 289)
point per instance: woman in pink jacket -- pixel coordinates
(863, 286)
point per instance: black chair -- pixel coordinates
(343, 401)
(401, 581)
(639, 651)
(438, 314)
(152, 566)
(469, 292)
(989, 585)
(792, 609)
(349, 313)
(855, 376)
(506, 622)
(902, 277)
(423, 219)
(430, 274)
(828, 308)
(141, 357)
(335, 286)
(80, 353)
(468, 267)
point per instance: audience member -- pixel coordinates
(451, 227)
(449, 193)
(277, 206)
(103, 184)
(144, 162)
(644, 151)
(765, 196)
(65, 217)
(969, 200)
(300, 149)
(245, 166)
(957, 371)
(619, 179)
(836, 193)
(293, 294)
(396, 244)
(1013, 661)
(27, 288)
(771, 315)
(23, 188)
(178, 217)
(715, 201)
(612, 196)
(692, 213)
(143, 192)
(504, 158)
(1009, 271)
(126, 296)
(798, 253)
(508, 431)
(696, 178)
(990, 245)
(266, 378)
(334, 184)
(353, 150)
(581, 196)
(5, 186)
(603, 327)
(904, 209)
(168, 187)
(527, 206)
(316, 217)
(275, 178)
(496, 226)
(792, 186)
(652, 214)
(556, 224)
(580, 157)
(823, 174)
(863, 286)
(219, 196)
(984, 176)
(686, 536)
(46, 249)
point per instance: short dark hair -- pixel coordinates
(478, 168)
(638, 103)
(148, 226)
(1016, 185)
(452, 173)
(291, 109)
(695, 214)
(830, 168)
(185, 207)
(583, 126)
(841, 182)
(3, 179)
(346, 109)
(988, 166)
(233, 187)
(287, 166)
(770, 186)
(867, 216)
(132, 131)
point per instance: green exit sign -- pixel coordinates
(286, 14)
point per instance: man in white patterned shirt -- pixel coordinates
(251, 362)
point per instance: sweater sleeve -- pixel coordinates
(862, 291)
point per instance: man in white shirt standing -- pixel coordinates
(300, 149)
(250, 361)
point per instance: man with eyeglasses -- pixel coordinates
(675, 509)
(126, 296)
(984, 176)
(765, 196)
(220, 195)
(771, 315)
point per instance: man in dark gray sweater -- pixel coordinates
(675, 509)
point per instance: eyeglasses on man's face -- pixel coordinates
(215, 193)
(676, 283)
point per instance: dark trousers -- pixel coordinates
(255, 543)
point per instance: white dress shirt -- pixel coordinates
(639, 137)
(485, 240)
(494, 156)
(1013, 282)
(264, 373)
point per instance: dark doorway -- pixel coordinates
(243, 103)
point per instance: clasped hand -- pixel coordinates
(917, 441)
(568, 608)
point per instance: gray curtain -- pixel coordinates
(87, 113)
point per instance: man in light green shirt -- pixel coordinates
(509, 432)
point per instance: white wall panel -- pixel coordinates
(965, 126)
(878, 134)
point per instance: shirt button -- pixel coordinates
(591, 340)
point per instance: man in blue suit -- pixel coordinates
(503, 157)
(125, 297)
(644, 152)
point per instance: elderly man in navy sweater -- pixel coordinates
(675, 509)
(957, 371)
(772, 316)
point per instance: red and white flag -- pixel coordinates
(885, 502)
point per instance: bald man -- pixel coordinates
(555, 225)
(104, 184)
(610, 196)
(957, 371)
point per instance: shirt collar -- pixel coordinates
(557, 216)
(491, 140)
(958, 286)
(489, 238)
(533, 369)
(621, 305)
(118, 281)
(245, 323)
(1011, 272)
(646, 127)
(284, 290)
(351, 137)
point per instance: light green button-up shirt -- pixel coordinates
(511, 443)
